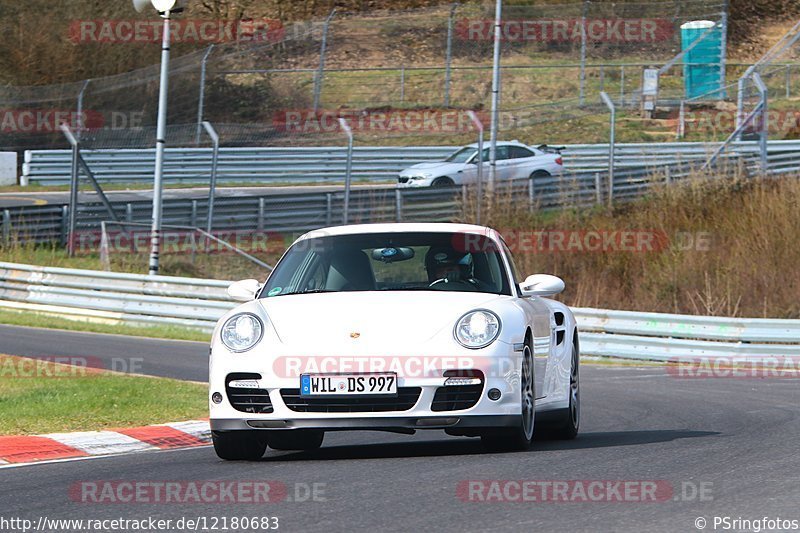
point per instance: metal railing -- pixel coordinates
(199, 303)
(295, 165)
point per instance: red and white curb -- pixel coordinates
(55, 446)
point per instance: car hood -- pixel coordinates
(380, 319)
(436, 166)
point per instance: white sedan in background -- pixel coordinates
(394, 327)
(514, 161)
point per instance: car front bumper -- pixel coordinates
(419, 401)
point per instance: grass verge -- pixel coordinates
(46, 397)
(36, 320)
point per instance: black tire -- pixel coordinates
(296, 439)
(239, 445)
(518, 438)
(441, 183)
(567, 423)
(540, 174)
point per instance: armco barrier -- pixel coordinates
(198, 303)
(275, 164)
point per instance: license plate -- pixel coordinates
(348, 385)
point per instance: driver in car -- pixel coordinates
(451, 270)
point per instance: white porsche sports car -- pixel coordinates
(394, 327)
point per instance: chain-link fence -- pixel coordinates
(554, 58)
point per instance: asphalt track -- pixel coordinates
(734, 440)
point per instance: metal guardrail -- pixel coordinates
(285, 213)
(199, 303)
(264, 165)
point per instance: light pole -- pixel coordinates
(163, 7)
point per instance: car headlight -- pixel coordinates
(241, 332)
(477, 329)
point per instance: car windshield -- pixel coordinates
(390, 262)
(462, 156)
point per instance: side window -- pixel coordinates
(502, 153)
(519, 152)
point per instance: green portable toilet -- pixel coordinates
(702, 65)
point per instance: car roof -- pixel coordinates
(401, 227)
(500, 143)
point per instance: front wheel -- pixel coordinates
(517, 438)
(441, 183)
(239, 445)
(567, 423)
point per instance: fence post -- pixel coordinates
(348, 172)
(328, 208)
(64, 224)
(531, 192)
(402, 84)
(448, 61)
(80, 108)
(6, 226)
(622, 86)
(788, 80)
(321, 70)
(73, 188)
(764, 133)
(193, 221)
(723, 44)
(602, 77)
(682, 120)
(398, 204)
(583, 52)
(212, 188)
(129, 212)
(261, 210)
(667, 175)
(479, 178)
(201, 100)
(598, 190)
(610, 105)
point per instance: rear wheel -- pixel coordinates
(239, 445)
(517, 438)
(538, 174)
(296, 439)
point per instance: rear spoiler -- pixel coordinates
(550, 149)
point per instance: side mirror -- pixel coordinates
(244, 291)
(541, 285)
